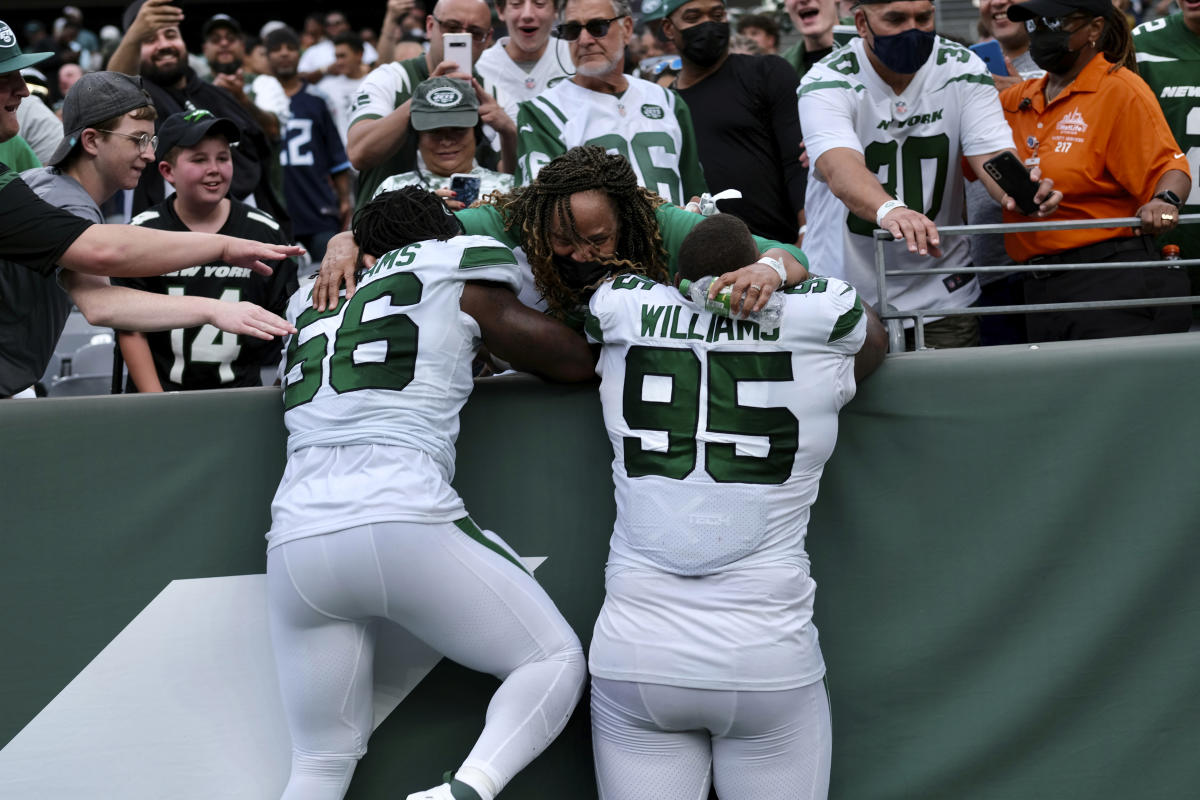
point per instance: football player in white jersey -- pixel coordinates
(648, 124)
(887, 119)
(529, 60)
(365, 525)
(704, 659)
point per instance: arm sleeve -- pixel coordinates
(984, 126)
(34, 233)
(377, 95)
(539, 140)
(827, 103)
(691, 173)
(781, 83)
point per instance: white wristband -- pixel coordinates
(777, 265)
(885, 208)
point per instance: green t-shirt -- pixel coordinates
(1168, 55)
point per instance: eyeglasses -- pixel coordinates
(454, 26)
(1049, 23)
(674, 64)
(569, 31)
(144, 140)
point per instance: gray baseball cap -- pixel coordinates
(444, 103)
(94, 98)
(11, 57)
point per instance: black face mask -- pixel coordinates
(579, 275)
(906, 52)
(1051, 50)
(704, 44)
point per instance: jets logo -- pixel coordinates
(445, 97)
(7, 39)
(651, 111)
(197, 115)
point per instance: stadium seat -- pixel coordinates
(79, 386)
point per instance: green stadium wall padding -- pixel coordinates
(1006, 546)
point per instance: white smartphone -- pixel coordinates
(456, 47)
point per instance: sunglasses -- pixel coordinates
(569, 31)
(454, 26)
(144, 141)
(1049, 23)
(674, 64)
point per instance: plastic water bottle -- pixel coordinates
(768, 317)
(707, 206)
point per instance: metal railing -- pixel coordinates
(893, 318)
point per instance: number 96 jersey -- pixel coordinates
(719, 431)
(373, 388)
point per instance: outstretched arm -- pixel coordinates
(131, 251)
(527, 339)
(133, 310)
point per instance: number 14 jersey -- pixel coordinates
(373, 388)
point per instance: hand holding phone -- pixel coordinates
(1011, 175)
(456, 47)
(465, 187)
(992, 55)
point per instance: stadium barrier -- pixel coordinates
(1005, 543)
(893, 317)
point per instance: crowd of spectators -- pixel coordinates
(696, 96)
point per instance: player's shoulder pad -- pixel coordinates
(144, 217)
(829, 307)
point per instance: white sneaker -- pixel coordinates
(436, 793)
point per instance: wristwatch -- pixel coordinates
(1169, 197)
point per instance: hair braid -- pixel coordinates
(531, 212)
(395, 219)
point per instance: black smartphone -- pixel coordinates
(465, 188)
(1007, 170)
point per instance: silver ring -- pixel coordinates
(756, 287)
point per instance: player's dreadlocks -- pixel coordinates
(407, 215)
(529, 213)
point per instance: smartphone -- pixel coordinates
(456, 47)
(1007, 170)
(465, 188)
(992, 55)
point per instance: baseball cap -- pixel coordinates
(95, 97)
(187, 128)
(660, 9)
(11, 57)
(220, 21)
(444, 103)
(1057, 8)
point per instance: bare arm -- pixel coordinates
(341, 185)
(131, 251)
(154, 14)
(370, 141)
(132, 310)
(527, 339)
(874, 348)
(1159, 216)
(1047, 196)
(491, 113)
(389, 31)
(138, 359)
(235, 85)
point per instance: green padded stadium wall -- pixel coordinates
(1006, 546)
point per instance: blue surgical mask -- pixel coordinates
(904, 53)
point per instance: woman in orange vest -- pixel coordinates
(1095, 127)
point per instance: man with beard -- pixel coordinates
(314, 161)
(646, 123)
(529, 60)
(153, 47)
(225, 53)
(888, 119)
(744, 109)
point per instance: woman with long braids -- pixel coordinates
(1096, 128)
(585, 217)
(365, 525)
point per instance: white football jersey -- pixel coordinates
(720, 434)
(508, 82)
(647, 124)
(372, 391)
(913, 142)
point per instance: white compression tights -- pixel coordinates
(669, 742)
(459, 592)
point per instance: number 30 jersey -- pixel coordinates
(913, 143)
(372, 391)
(719, 432)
